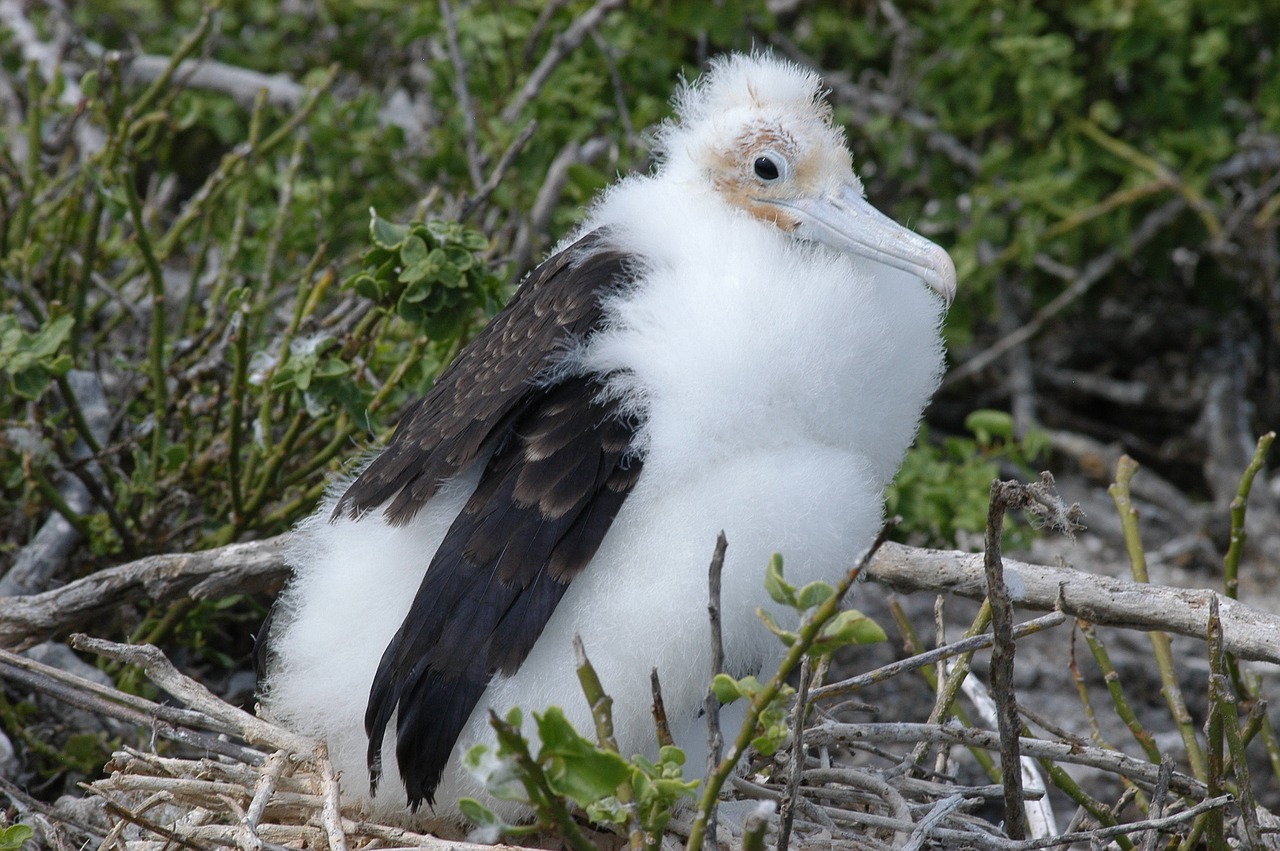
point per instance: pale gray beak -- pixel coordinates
(847, 222)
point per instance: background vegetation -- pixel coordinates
(201, 320)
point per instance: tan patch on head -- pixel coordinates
(810, 151)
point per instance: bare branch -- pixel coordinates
(563, 44)
(1093, 271)
(236, 568)
(1248, 633)
(463, 94)
(47, 59)
(162, 672)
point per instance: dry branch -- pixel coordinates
(259, 565)
(1248, 633)
(236, 568)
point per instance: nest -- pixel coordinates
(258, 786)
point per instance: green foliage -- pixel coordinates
(230, 405)
(941, 491)
(772, 728)
(52, 751)
(845, 627)
(1082, 118)
(13, 836)
(428, 274)
(848, 627)
(570, 767)
(32, 361)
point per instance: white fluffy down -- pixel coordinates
(781, 383)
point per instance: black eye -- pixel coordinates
(766, 168)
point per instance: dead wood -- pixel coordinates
(209, 574)
(259, 565)
(1248, 632)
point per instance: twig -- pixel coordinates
(241, 84)
(78, 488)
(1119, 490)
(499, 171)
(89, 138)
(235, 568)
(164, 721)
(602, 715)
(561, 46)
(544, 204)
(1239, 505)
(1106, 601)
(331, 813)
(162, 672)
(1124, 710)
(660, 723)
(1138, 770)
(263, 789)
(1159, 797)
(463, 94)
(936, 815)
(808, 633)
(1004, 495)
(931, 657)
(755, 827)
(711, 705)
(791, 793)
(1094, 271)
(1032, 802)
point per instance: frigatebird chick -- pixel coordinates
(738, 341)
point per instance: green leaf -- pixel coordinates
(848, 627)
(384, 233)
(769, 743)
(725, 689)
(51, 337)
(478, 814)
(574, 766)
(781, 591)
(413, 250)
(987, 425)
(814, 594)
(12, 837)
(788, 637)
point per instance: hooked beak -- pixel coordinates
(847, 222)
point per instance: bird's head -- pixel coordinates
(758, 132)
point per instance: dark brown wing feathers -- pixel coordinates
(472, 402)
(560, 466)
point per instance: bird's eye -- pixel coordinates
(766, 168)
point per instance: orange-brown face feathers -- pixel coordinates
(767, 162)
(758, 134)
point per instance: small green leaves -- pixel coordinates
(32, 360)
(383, 233)
(782, 593)
(813, 595)
(575, 767)
(786, 594)
(988, 425)
(785, 635)
(727, 689)
(771, 728)
(570, 767)
(427, 273)
(487, 825)
(12, 837)
(846, 627)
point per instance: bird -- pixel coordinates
(736, 341)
